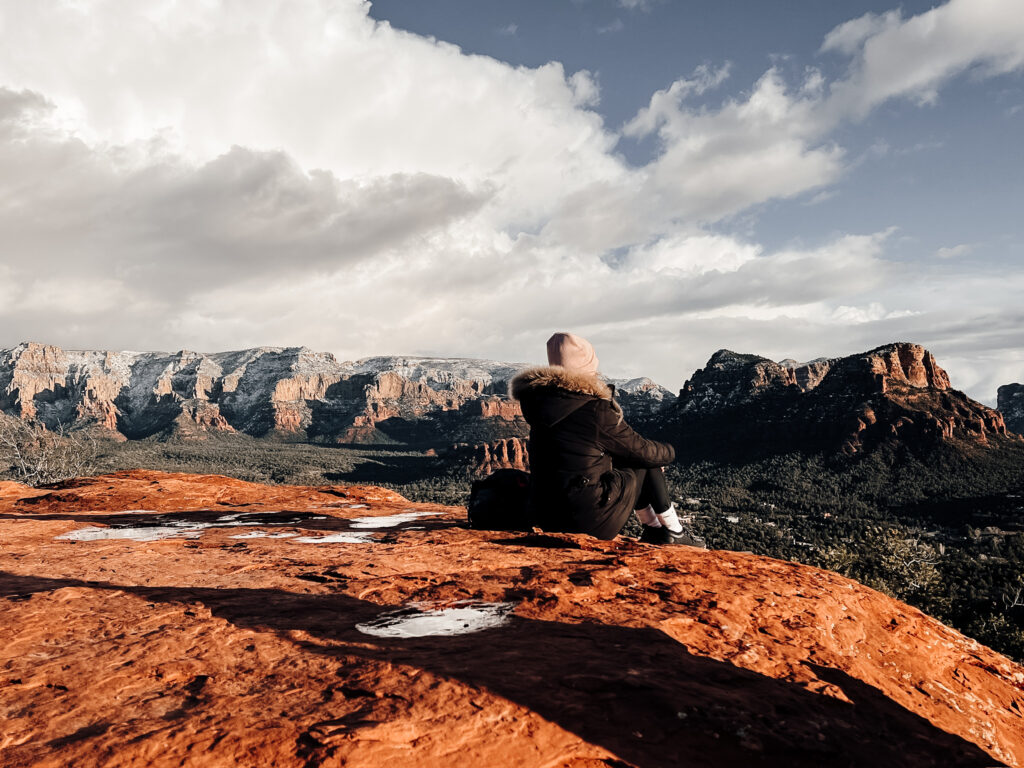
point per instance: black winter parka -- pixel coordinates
(581, 452)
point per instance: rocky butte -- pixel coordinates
(745, 405)
(484, 458)
(153, 619)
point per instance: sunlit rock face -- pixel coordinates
(737, 402)
(1011, 405)
(748, 405)
(293, 393)
(484, 458)
(154, 619)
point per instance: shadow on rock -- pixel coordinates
(632, 690)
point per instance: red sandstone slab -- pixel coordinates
(218, 651)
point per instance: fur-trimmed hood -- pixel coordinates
(572, 388)
(557, 376)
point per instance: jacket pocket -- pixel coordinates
(581, 490)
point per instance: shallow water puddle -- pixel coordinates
(141, 533)
(163, 526)
(389, 521)
(337, 538)
(433, 619)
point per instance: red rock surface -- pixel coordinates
(908, 364)
(222, 651)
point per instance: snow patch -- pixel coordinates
(439, 373)
(389, 521)
(262, 535)
(430, 620)
(147, 533)
(337, 538)
(179, 529)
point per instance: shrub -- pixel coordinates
(35, 455)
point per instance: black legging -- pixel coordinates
(653, 490)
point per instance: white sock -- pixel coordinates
(670, 519)
(647, 516)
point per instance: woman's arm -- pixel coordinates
(620, 441)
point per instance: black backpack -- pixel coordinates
(500, 502)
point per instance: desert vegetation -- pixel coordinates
(35, 455)
(943, 532)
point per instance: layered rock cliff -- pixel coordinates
(736, 403)
(157, 620)
(742, 405)
(1010, 401)
(263, 392)
(483, 458)
(292, 393)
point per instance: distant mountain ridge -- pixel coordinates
(289, 393)
(737, 405)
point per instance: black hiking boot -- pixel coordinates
(663, 535)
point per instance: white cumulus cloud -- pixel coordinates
(212, 174)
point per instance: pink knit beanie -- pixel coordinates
(572, 352)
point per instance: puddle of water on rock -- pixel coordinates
(337, 538)
(389, 521)
(170, 529)
(439, 620)
(162, 528)
(149, 533)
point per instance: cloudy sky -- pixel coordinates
(461, 178)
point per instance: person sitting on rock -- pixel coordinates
(588, 468)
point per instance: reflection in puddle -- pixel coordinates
(162, 525)
(389, 521)
(337, 538)
(149, 533)
(439, 619)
